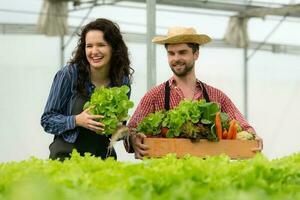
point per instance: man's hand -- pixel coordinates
(137, 141)
(260, 144)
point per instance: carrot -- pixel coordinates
(231, 129)
(218, 125)
(224, 136)
(234, 131)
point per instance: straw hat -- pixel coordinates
(178, 35)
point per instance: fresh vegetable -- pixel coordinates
(164, 131)
(239, 128)
(225, 134)
(217, 178)
(244, 135)
(192, 119)
(224, 120)
(152, 123)
(232, 129)
(113, 104)
(218, 126)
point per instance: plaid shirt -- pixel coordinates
(154, 101)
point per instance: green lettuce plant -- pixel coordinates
(113, 104)
(152, 123)
(190, 119)
(88, 177)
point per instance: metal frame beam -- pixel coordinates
(31, 29)
(151, 51)
(213, 5)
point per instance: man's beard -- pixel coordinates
(183, 72)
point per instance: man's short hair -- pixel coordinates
(193, 46)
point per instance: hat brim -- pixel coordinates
(194, 38)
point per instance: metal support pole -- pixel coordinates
(246, 82)
(62, 51)
(151, 51)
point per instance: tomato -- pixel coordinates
(164, 131)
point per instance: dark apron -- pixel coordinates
(167, 94)
(87, 140)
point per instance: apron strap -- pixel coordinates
(167, 94)
(204, 92)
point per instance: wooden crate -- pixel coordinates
(235, 149)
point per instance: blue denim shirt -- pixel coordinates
(57, 118)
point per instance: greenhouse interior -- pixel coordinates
(254, 58)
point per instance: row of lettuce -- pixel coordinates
(167, 178)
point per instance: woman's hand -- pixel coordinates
(88, 121)
(137, 142)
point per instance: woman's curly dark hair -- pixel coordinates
(119, 62)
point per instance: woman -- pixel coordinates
(100, 59)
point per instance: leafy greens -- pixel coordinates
(113, 104)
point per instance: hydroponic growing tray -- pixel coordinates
(235, 149)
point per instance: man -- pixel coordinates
(182, 45)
